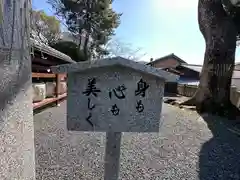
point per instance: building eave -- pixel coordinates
(50, 51)
(172, 55)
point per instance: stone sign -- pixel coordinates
(114, 95)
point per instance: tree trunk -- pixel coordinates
(86, 47)
(17, 159)
(79, 36)
(219, 32)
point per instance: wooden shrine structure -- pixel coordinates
(43, 57)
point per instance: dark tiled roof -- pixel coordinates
(50, 51)
(198, 68)
(168, 56)
(195, 67)
(142, 62)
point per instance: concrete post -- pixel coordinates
(17, 159)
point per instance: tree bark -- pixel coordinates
(86, 47)
(17, 159)
(219, 32)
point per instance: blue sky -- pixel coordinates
(158, 27)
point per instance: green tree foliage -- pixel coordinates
(47, 28)
(71, 49)
(96, 17)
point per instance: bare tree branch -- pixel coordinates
(116, 47)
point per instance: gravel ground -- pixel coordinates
(187, 148)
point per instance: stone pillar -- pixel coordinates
(17, 160)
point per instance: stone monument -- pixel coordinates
(114, 95)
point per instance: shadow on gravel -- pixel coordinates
(219, 158)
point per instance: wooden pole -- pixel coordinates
(17, 159)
